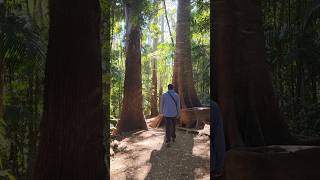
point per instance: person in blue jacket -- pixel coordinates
(170, 109)
(218, 140)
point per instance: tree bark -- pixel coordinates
(182, 75)
(2, 14)
(106, 54)
(131, 117)
(160, 93)
(154, 89)
(223, 83)
(31, 128)
(71, 132)
(242, 80)
(1, 87)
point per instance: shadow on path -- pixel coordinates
(178, 161)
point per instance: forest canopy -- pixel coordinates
(158, 27)
(292, 42)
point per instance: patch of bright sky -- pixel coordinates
(171, 7)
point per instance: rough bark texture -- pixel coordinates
(243, 85)
(182, 75)
(71, 132)
(154, 94)
(2, 14)
(160, 93)
(132, 112)
(273, 162)
(1, 87)
(194, 117)
(154, 89)
(31, 135)
(106, 25)
(223, 84)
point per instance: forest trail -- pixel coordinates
(143, 155)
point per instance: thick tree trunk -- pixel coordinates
(243, 83)
(132, 111)
(182, 77)
(71, 133)
(223, 84)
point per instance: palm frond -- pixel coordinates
(20, 41)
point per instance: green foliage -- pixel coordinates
(3, 144)
(143, 10)
(200, 28)
(307, 121)
(22, 47)
(311, 12)
(292, 43)
(6, 174)
(201, 16)
(19, 40)
(154, 28)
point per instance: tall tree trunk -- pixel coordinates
(161, 76)
(1, 87)
(168, 24)
(160, 93)
(154, 89)
(223, 83)
(182, 77)
(300, 83)
(162, 28)
(314, 86)
(31, 129)
(2, 14)
(131, 117)
(106, 54)
(71, 132)
(243, 83)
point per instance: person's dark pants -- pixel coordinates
(170, 128)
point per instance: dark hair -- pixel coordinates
(170, 86)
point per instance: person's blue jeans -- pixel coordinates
(170, 128)
(218, 149)
(218, 139)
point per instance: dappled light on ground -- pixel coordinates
(143, 155)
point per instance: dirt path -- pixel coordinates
(143, 155)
